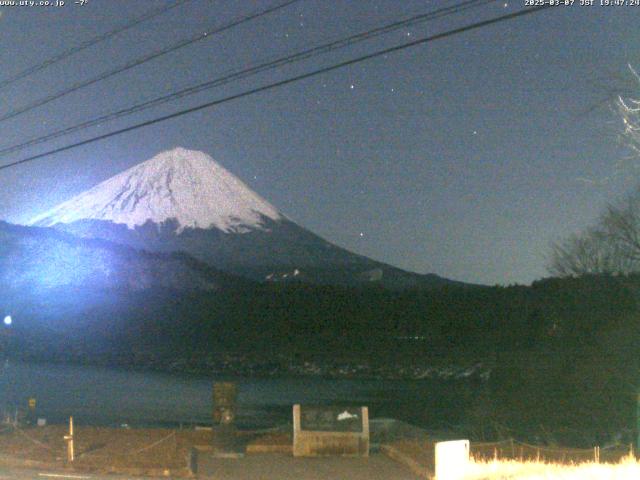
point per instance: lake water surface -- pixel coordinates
(104, 396)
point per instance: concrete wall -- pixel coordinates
(308, 443)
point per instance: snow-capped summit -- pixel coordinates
(187, 186)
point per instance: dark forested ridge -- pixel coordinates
(33, 259)
(562, 353)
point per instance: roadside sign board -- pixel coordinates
(331, 419)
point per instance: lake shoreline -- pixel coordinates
(242, 367)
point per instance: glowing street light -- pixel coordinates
(8, 320)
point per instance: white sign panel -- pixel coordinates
(452, 460)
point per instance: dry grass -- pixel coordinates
(627, 469)
(511, 460)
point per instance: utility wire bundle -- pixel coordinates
(253, 70)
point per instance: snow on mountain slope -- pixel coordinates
(185, 185)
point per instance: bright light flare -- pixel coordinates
(8, 320)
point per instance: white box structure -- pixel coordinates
(321, 431)
(452, 460)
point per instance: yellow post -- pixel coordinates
(69, 439)
(638, 422)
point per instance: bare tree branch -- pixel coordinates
(629, 110)
(613, 245)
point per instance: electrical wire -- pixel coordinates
(297, 78)
(261, 67)
(89, 43)
(139, 61)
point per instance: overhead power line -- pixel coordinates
(297, 78)
(261, 67)
(139, 61)
(89, 43)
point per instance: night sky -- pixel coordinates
(463, 157)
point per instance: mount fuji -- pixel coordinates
(183, 201)
(182, 185)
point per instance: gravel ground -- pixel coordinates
(285, 467)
